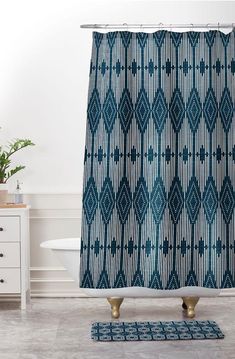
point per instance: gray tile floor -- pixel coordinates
(60, 329)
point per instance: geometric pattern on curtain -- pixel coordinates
(159, 167)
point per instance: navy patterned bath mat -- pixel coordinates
(171, 330)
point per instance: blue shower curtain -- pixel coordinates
(159, 167)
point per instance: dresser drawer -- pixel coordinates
(9, 254)
(9, 229)
(9, 280)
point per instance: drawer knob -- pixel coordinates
(1, 229)
(1, 280)
(1, 254)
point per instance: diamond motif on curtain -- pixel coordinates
(210, 110)
(125, 110)
(90, 200)
(118, 68)
(227, 200)
(232, 66)
(151, 67)
(141, 200)
(194, 110)
(168, 67)
(124, 200)
(94, 111)
(210, 199)
(159, 110)
(202, 67)
(226, 109)
(107, 200)
(185, 67)
(103, 68)
(177, 110)
(193, 199)
(218, 66)
(176, 200)
(109, 110)
(142, 110)
(158, 200)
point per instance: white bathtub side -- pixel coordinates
(63, 244)
(68, 252)
(70, 259)
(135, 292)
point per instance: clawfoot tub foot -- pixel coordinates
(189, 304)
(115, 306)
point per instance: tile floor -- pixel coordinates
(60, 329)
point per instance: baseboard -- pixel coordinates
(55, 288)
(55, 294)
(53, 282)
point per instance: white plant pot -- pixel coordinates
(3, 193)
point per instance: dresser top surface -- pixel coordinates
(13, 210)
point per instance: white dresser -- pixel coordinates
(15, 253)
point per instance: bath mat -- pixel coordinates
(171, 330)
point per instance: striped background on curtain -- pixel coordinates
(159, 167)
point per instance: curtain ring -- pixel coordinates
(125, 24)
(141, 27)
(218, 26)
(192, 26)
(160, 25)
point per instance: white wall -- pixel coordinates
(44, 65)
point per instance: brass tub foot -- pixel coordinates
(115, 306)
(189, 304)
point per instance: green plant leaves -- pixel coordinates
(5, 160)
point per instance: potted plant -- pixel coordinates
(5, 161)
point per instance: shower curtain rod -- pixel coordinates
(157, 26)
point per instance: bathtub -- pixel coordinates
(68, 252)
